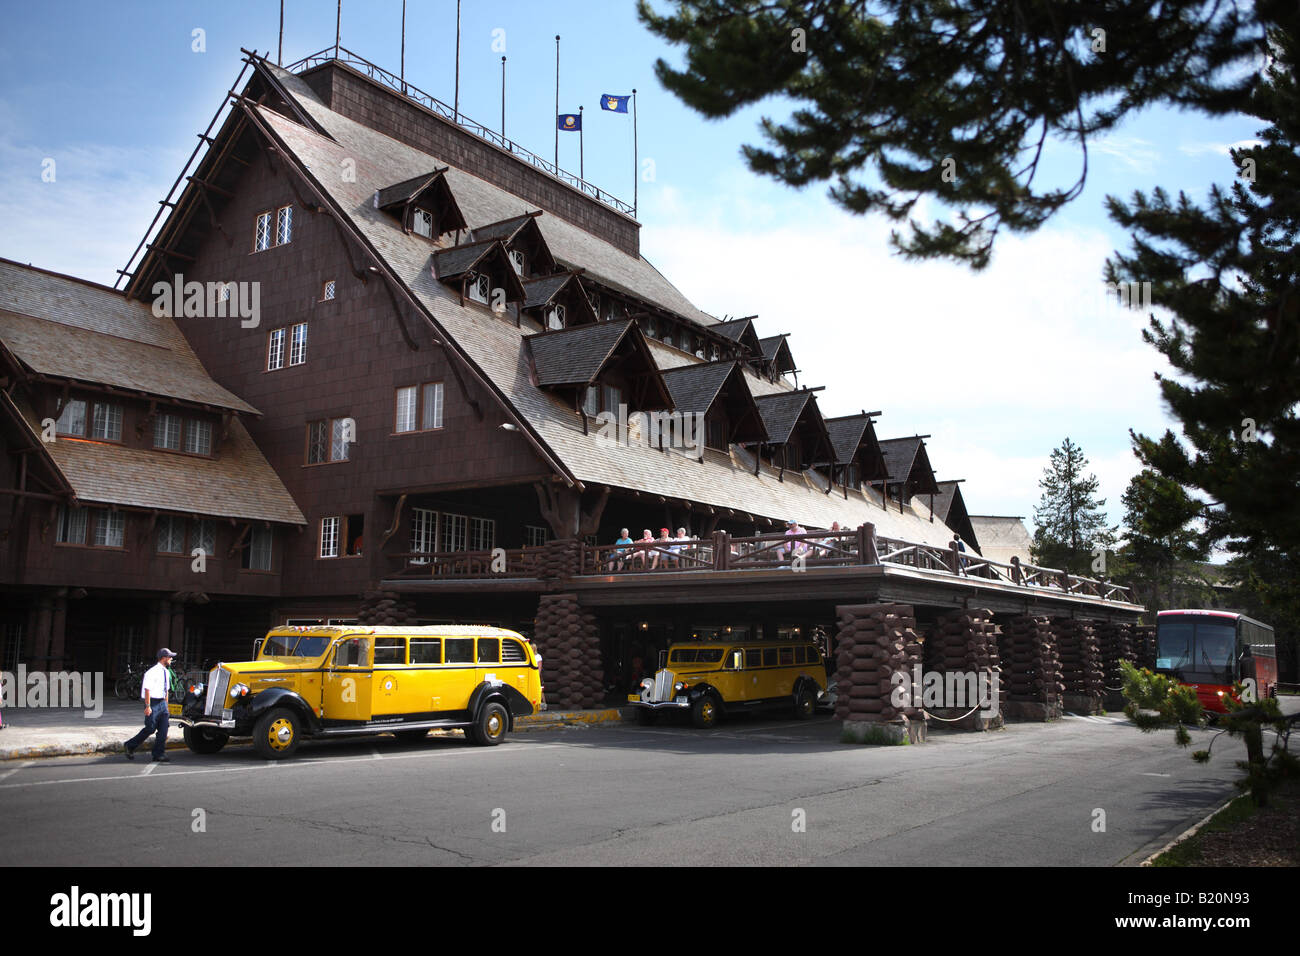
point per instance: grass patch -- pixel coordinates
(1189, 852)
(874, 737)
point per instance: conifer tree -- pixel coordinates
(1069, 518)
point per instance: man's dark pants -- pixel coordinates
(156, 721)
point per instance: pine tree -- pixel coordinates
(953, 100)
(1163, 547)
(1069, 517)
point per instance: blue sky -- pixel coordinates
(998, 367)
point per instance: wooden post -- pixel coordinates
(721, 550)
(954, 560)
(867, 553)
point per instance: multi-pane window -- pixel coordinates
(329, 537)
(519, 261)
(72, 420)
(424, 532)
(167, 432)
(328, 440)
(431, 408)
(198, 437)
(110, 529)
(591, 401)
(422, 404)
(262, 233)
(72, 525)
(327, 290)
(452, 533)
(275, 350)
(482, 534)
(422, 222)
(283, 225)
(203, 534)
(171, 535)
(340, 437)
(535, 536)
(298, 344)
(555, 317)
(106, 422)
(611, 397)
(257, 553)
(480, 288)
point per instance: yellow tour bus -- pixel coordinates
(712, 680)
(321, 681)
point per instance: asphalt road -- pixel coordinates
(625, 795)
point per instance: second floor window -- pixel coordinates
(327, 291)
(72, 420)
(298, 344)
(110, 529)
(198, 437)
(262, 233)
(418, 408)
(106, 422)
(72, 526)
(283, 225)
(275, 350)
(171, 535)
(167, 432)
(328, 440)
(257, 552)
(422, 222)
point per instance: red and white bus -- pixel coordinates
(1209, 651)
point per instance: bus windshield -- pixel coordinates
(294, 645)
(1197, 645)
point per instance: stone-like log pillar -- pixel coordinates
(963, 644)
(1031, 671)
(568, 638)
(876, 642)
(1116, 641)
(1081, 671)
(1144, 645)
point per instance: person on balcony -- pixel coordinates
(643, 546)
(618, 556)
(665, 552)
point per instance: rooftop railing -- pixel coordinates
(430, 102)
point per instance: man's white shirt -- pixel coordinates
(155, 682)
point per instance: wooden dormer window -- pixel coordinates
(479, 288)
(555, 317)
(519, 261)
(422, 222)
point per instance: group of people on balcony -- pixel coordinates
(648, 551)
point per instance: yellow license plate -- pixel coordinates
(633, 698)
(174, 709)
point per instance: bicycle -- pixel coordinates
(130, 684)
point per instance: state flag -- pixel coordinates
(569, 122)
(615, 104)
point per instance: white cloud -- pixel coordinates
(1138, 154)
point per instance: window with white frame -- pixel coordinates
(198, 437)
(328, 440)
(171, 535)
(535, 535)
(72, 420)
(327, 290)
(283, 225)
(167, 432)
(431, 405)
(452, 532)
(482, 534)
(341, 436)
(424, 532)
(298, 344)
(106, 422)
(110, 529)
(275, 349)
(405, 411)
(262, 233)
(519, 261)
(480, 288)
(555, 317)
(329, 537)
(422, 222)
(72, 525)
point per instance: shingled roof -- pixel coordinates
(854, 439)
(67, 328)
(502, 354)
(695, 389)
(776, 351)
(577, 356)
(408, 190)
(742, 332)
(950, 508)
(909, 465)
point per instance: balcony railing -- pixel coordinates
(721, 551)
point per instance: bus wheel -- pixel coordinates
(201, 740)
(705, 712)
(805, 704)
(490, 728)
(277, 734)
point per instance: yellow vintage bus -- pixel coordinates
(320, 681)
(715, 679)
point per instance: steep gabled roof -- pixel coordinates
(781, 413)
(950, 508)
(695, 389)
(576, 356)
(909, 465)
(854, 439)
(776, 351)
(408, 190)
(542, 292)
(66, 328)
(453, 263)
(741, 331)
(521, 231)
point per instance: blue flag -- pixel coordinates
(569, 122)
(615, 104)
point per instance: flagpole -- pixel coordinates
(279, 54)
(403, 46)
(456, 104)
(557, 103)
(581, 165)
(636, 170)
(503, 100)
(338, 28)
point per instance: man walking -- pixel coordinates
(157, 680)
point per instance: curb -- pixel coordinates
(1190, 832)
(547, 720)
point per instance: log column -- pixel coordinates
(875, 642)
(965, 642)
(1031, 669)
(568, 638)
(1116, 642)
(1144, 645)
(1081, 670)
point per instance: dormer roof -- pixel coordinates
(696, 389)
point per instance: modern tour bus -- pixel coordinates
(1210, 651)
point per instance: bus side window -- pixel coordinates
(754, 658)
(733, 661)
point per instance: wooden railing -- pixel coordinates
(499, 563)
(722, 552)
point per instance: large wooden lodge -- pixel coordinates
(437, 417)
